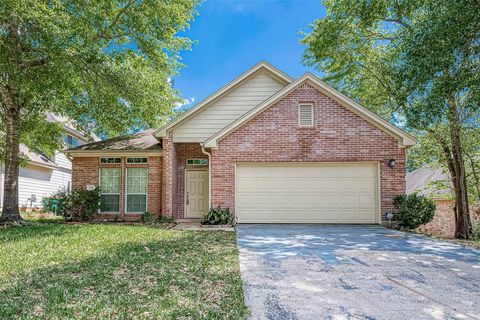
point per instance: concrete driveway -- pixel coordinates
(326, 272)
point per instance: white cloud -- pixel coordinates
(183, 103)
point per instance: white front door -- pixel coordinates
(196, 193)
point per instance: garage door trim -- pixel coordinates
(377, 196)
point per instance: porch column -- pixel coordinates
(168, 176)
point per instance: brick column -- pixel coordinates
(168, 176)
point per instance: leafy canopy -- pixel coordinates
(406, 60)
(105, 64)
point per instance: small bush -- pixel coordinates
(148, 218)
(75, 205)
(164, 219)
(413, 210)
(55, 203)
(476, 230)
(218, 216)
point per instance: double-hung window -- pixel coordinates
(136, 187)
(110, 189)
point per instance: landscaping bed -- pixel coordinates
(85, 271)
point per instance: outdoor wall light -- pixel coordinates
(389, 216)
(391, 163)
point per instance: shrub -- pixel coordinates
(55, 203)
(147, 218)
(413, 210)
(218, 216)
(164, 219)
(75, 205)
(476, 230)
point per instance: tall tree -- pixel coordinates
(104, 64)
(414, 62)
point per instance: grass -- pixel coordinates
(101, 271)
(41, 217)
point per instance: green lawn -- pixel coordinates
(59, 271)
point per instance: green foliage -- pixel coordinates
(413, 210)
(148, 218)
(75, 205)
(105, 64)
(56, 202)
(218, 216)
(416, 63)
(476, 231)
(164, 219)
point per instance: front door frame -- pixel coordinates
(185, 210)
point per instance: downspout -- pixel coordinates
(209, 155)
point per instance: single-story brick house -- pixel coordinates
(271, 148)
(433, 182)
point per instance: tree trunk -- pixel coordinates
(10, 211)
(463, 224)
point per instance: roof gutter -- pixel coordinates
(119, 153)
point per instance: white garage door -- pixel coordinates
(306, 193)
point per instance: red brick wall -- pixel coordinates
(85, 170)
(338, 135)
(168, 177)
(443, 222)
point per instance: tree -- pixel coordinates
(104, 64)
(415, 62)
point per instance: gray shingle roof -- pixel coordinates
(36, 158)
(140, 141)
(421, 180)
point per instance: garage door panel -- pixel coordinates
(310, 193)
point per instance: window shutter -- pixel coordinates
(305, 115)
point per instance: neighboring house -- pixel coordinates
(271, 148)
(43, 176)
(429, 181)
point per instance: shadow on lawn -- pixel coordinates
(190, 274)
(36, 230)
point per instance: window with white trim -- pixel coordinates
(136, 190)
(137, 160)
(198, 162)
(110, 160)
(305, 115)
(110, 189)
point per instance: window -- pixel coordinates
(305, 115)
(110, 189)
(137, 160)
(110, 160)
(71, 141)
(136, 190)
(201, 162)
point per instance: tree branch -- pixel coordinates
(398, 21)
(102, 32)
(34, 63)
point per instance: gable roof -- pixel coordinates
(403, 138)
(37, 159)
(422, 182)
(262, 65)
(138, 142)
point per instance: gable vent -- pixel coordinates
(305, 115)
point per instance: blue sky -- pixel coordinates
(232, 36)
